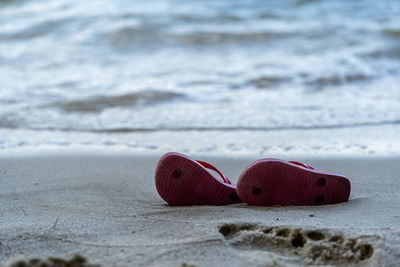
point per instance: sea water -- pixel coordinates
(150, 73)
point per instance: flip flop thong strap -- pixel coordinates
(302, 165)
(211, 167)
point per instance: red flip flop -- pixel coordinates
(270, 182)
(182, 181)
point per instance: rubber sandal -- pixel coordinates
(182, 181)
(270, 182)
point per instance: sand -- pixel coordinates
(104, 206)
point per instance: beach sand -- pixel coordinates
(104, 206)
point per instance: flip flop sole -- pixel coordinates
(181, 181)
(272, 182)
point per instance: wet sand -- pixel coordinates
(104, 206)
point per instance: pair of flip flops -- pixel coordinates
(183, 181)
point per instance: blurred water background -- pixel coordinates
(215, 75)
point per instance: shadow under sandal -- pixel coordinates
(182, 181)
(270, 182)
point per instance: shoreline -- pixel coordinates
(104, 206)
(381, 141)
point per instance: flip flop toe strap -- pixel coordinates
(302, 165)
(211, 167)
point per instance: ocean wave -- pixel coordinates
(263, 81)
(304, 2)
(204, 129)
(37, 29)
(129, 36)
(220, 18)
(207, 38)
(10, 121)
(336, 80)
(267, 15)
(249, 128)
(384, 53)
(8, 1)
(97, 104)
(392, 32)
(266, 82)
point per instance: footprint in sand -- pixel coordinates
(313, 246)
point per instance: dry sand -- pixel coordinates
(104, 206)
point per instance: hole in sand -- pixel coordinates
(337, 239)
(350, 243)
(293, 241)
(268, 230)
(233, 196)
(321, 181)
(366, 251)
(256, 190)
(298, 240)
(314, 235)
(227, 229)
(283, 232)
(319, 199)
